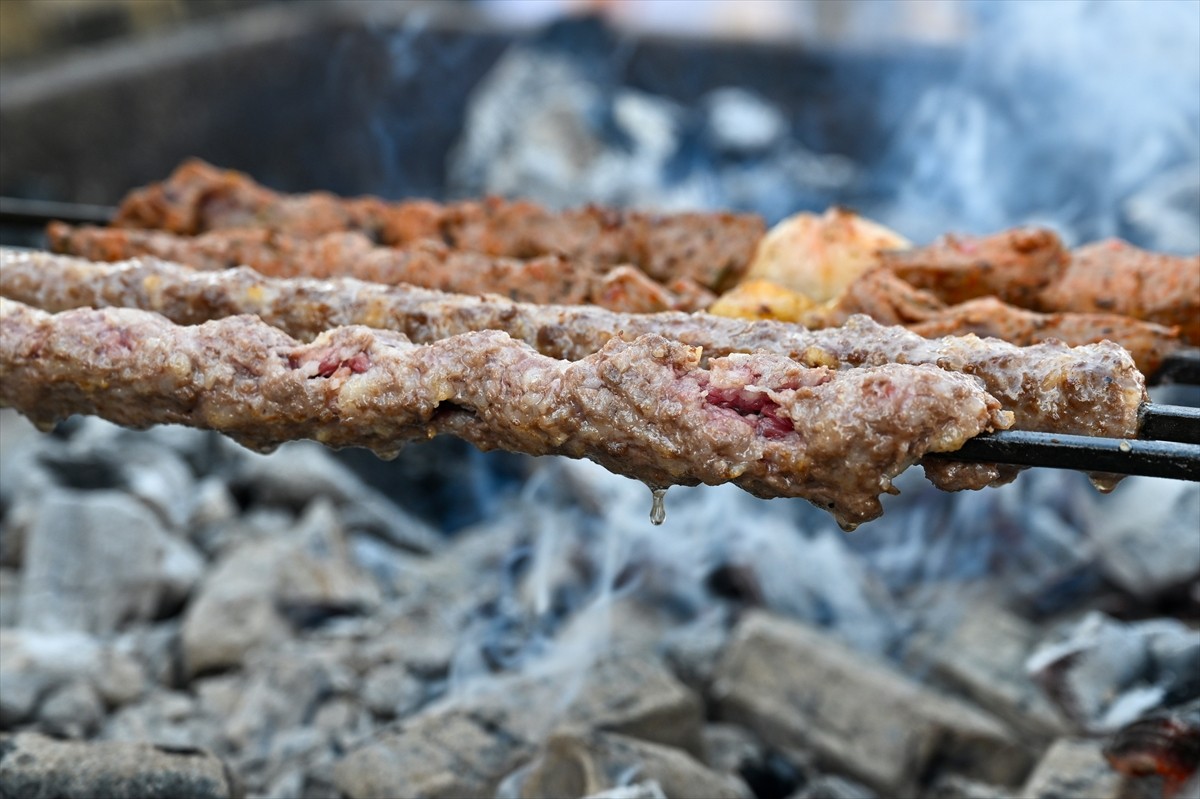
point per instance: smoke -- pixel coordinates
(1081, 115)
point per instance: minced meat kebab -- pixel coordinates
(645, 408)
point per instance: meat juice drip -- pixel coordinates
(658, 506)
(1104, 482)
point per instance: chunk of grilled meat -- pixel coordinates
(1015, 266)
(644, 408)
(712, 249)
(1113, 276)
(887, 299)
(1089, 390)
(545, 279)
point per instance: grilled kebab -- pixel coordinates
(711, 249)
(645, 408)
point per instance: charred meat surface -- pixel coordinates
(712, 249)
(1050, 387)
(645, 408)
(428, 263)
(1113, 276)
(1015, 266)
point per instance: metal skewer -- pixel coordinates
(37, 213)
(1168, 445)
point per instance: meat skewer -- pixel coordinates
(1089, 390)
(887, 299)
(712, 249)
(1014, 265)
(1115, 277)
(645, 408)
(545, 279)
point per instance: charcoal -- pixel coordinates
(729, 748)
(438, 754)
(1146, 538)
(10, 588)
(692, 651)
(120, 678)
(282, 690)
(1073, 767)
(97, 560)
(260, 590)
(641, 790)
(19, 696)
(165, 718)
(798, 688)
(982, 654)
(156, 648)
(1103, 673)
(955, 786)
(390, 690)
(467, 747)
(35, 664)
(73, 710)
(633, 696)
(299, 472)
(34, 765)
(830, 787)
(573, 765)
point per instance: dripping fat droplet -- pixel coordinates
(658, 506)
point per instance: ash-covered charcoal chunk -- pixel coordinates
(1113, 276)
(1014, 265)
(713, 249)
(1049, 387)
(645, 409)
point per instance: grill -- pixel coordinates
(1168, 443)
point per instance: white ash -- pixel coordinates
(540, 126)
(1103, 673)
(306, 640)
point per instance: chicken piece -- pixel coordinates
(819, 256)
(1015, 266)
(1113, 276)
(762, 299)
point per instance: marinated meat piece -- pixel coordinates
(1089, 390)
(547, 279)
(889, 300)
(200, 197)
(644, 408)
(881, 295)
(1147, 342)
(713, 249)
(628, 290)
(1015, 266)
(1115, 277)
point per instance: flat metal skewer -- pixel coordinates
(1169, 423)
(1171, 459)
(37, 213)
(1181, 366)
